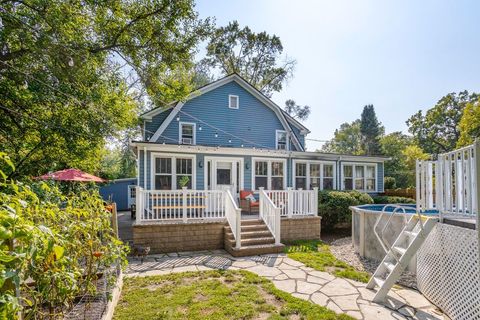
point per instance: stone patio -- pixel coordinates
(340, 295)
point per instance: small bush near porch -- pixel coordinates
(316, 254)
(212, 295)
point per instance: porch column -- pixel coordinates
(145, 167)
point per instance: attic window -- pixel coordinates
(233, 102)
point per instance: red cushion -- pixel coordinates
(254, 204)
(244, 194)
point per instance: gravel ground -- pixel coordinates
(343, 250)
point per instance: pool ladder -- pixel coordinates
(401, 252)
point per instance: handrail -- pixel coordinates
(270, 214)
(381, 238)
(233, 214)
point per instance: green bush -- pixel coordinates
(391, 200)
(363, 198)
(390, 183)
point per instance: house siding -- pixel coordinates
(253, 121)
(152, 125)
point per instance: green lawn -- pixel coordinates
(317, 255)
(212, 295)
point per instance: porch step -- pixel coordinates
(255, 239)
(249, 222)
(252, 241)
(254, 250)
(249, 234)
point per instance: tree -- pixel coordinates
(393, 145)
(347, 139)
(72, 73)
(412, 153)
(298, 112)
(371, 130)
(469, 124)
(257, 57)
(438, 130)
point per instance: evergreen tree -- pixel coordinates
(371, 130)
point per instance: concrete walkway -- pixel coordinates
(337, 294)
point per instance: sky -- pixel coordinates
(400, 56)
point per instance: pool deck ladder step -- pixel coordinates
(401, 252)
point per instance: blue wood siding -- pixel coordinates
(152, 126)
(117, 191)
(253, 121)
(299, 136)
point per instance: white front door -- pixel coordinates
(224, 174)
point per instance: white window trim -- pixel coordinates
(229, 101)
(308, 162)
(173, 157)
(180, 124)
(269, 171)
(276, 139)
(359, 164)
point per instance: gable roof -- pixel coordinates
(285, 119)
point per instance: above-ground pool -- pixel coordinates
(364, 218)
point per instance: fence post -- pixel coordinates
(476, 191)
(184, 203)
(315, 201)
(139, 199)
(289, 202)
(261, 200)
(277, 226)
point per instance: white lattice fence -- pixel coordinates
(448, 271)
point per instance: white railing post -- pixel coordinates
(315, 201)
(476, 188)
(261, 200)
(184, 203)
(277, 226)
(289, 202)
(139, 199)
(238, 217)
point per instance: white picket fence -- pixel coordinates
(270, 214)
(450, 183)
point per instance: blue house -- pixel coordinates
(228, 135)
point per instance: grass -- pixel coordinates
(213, 294)
(317, 255)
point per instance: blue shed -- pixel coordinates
(119, 191)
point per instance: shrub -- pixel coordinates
(333, 207)
(390, 183)
(392, 200)
(363, 198)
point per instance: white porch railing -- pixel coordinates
(450, 183)
(270, 214)
(234, 216)
(295, 202)
(169, 205)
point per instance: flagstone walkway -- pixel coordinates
(338, 294)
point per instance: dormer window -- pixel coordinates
(281, 140)
(233, 102)
(187, 133)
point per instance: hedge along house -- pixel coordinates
(198, 155)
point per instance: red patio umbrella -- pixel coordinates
(71, 175)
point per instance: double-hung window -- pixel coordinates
(360, 177)
(269, 174)
(187, 133)
(313, 174)
(171, 173)
(281, 139)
